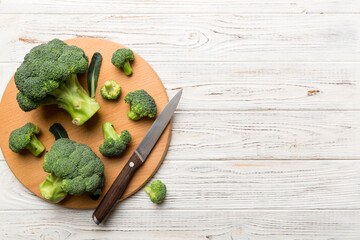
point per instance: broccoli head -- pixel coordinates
(156, 191)
(76, 165)
(114, 144)
(121, 59)
(48, 75)
(25, 138)
(141, 105)
(111, 90)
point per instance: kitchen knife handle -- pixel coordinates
(117, 189)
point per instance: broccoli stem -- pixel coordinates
(133, 115)
(72, 97)
(51, 188)
(108, 86)
(109, 131)
(127, 68)
(147, 189)
(35, 146)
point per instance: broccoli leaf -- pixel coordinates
(93, 73)
(59, 131)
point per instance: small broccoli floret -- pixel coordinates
(111, 90)
(121, 58)
(51, 189)
(76, 165)
(114, 144)
(141, 105)
(48, 75)
(25, 138)
(156, 191)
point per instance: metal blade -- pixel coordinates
(156, 129)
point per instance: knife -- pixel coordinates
(136, 160)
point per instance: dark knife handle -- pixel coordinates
(117, 189)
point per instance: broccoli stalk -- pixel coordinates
(127, 68)
(109, 131)
(35, 146)
(114, 144)
(51, 188)
(73, 98)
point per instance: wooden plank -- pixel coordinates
(337, 6)
(167, 224)
(254, 86)
(204, 135)
(229, 184)
(176, 7)
(265, 135)
(205, 37)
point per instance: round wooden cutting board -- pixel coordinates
(28, 169)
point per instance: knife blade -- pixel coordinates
(136, 160)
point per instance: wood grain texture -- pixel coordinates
(274, 80)
(254, 86)
(176, 7)
(219, 135)
(251, 135)
(28, 169)
(229, 184)
(167, 224)
(204, 37)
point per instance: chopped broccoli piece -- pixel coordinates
(25, 138)
(48, 75)
(78, 167)
(51, 189)
(111, 90)
(141, 105)
(156, 191)
(121, 58)
(114, 144)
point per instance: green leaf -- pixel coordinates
(93, 73)
(59, 131)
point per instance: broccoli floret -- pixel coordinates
(141, 105)
(114, 144)
(78, 167)
(121, 58)
(111, 90)
(51, 188)
(156, 191)
(48, 75)
(25, 138)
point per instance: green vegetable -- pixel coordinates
(25, 138)
(114, 144)
(121, 58)
(78, 168)
(51, 189)
(58, 131)
(156, 191)
(93, 73)
(141, 105)
(48, 75)
(111, 90)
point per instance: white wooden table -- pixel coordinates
(266, 140)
